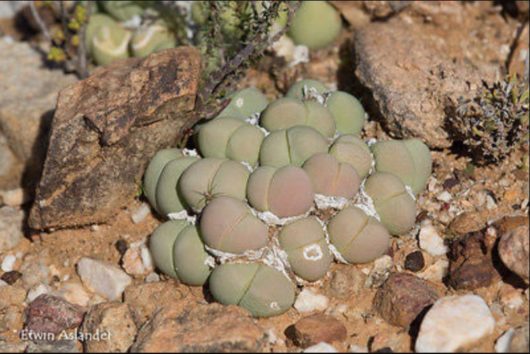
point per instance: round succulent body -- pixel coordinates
(178, 251)
(95, 22)
(228, 225)
(291, 146)
(359, 238)
(212, 177)
(122, 10)
(230, 138)
(297, 89)
(394, 205)
(153, 171)
(245, 103)
(168, 198)
(110, 43)
(347, 111)
(332, 178)
(151, 39)
(316, 24)
(285, 192)
(409, 159)
(199, 12)
(260, 289)
(353, 151)
(305, 243)
(288, 112)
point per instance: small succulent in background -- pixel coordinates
(316, 24)
(493, 123)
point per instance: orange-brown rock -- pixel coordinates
(105, 130)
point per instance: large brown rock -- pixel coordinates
(430, 52)
(105, 130)
(28, 96)
(200, 328)
(403, 297)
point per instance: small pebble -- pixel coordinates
(103, 278)
(414, 261)
(321, 347)
(11, 277)
(152, 278)
(502, 345)
(430, 241)
(141, 213)
(37, 291)
(13, 197)
(309, 301)
(435, 272)
(454, 323)
(445, 196)
(8, 263)
(357, 349)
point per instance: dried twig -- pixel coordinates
(256, 45)
(39, 21)
(82, 68)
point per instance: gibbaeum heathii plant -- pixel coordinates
(244, 215)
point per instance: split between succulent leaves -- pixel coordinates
(254, 192)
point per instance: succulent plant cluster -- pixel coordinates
(109, 37)
(244, 216)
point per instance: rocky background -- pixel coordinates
(73, 226)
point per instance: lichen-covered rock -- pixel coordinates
(105, 130)
(200, 328)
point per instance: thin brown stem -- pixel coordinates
(40, 22)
